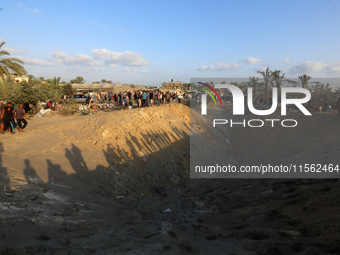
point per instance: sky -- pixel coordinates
(148, 42)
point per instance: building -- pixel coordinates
(17, 78)
(172, 85)
(113, 88)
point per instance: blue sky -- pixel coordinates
(148, 42)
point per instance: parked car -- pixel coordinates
(79, 98)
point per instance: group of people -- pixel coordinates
(149, 98)
(141, 98)
(11, 117)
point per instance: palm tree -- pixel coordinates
(253, 83)
(267, 75)
(78, 80)
(304, 80)
(54, 82)
(8, 65)
(278, 79)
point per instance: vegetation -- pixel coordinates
(10, 65)
(304, 80)
(267, 75)
(78, 80)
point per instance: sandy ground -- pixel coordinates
(102, 184)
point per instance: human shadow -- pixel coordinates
(54, 172)
(76, 160)
(29, 172)
(4, 179)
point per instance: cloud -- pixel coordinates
(15, 51)
(77, 59)
(59, 57)
(36, 62)
(81, 59)
(2, 39)
(335, 68)
(36, 11)
(136, 70)
(126, 58)
(251, 61)
(307, 67)
(219, 67)
(101, 54)
(287, 60)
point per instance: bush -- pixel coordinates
(69, 109)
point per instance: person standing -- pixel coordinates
(144, 96)
(148, 99)
(120, 97)
(2, 106)
(7, 117)
(151, 97)
(159, 97)
(180, 97)
(20, 115)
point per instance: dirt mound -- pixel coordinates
(118, 183)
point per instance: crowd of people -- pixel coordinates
(140, 98)
(11, 118)
(15, 118)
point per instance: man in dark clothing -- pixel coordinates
(120, 98)
(8, 114)
(2, 106)
(20, 115)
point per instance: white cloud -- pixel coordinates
(307, 67)
(81, 59)
(219, 67)
(136, 70)
(36, 11)
(101, 54)
(251, 61)
(59, 57)
(15, 51)
(36, 62)
(77, 59)
(126, 58)
(287, 60)
(335, 68)
(2, 39)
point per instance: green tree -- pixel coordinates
(33, 80)
(78, 80)
(103, 81)
(8, 65)
(304, 80)
(267, 75)
(109, 82)
(67, 89)
(7, 86)
(253, 83)
(278, 78)
(25, 92)
(54, 82)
